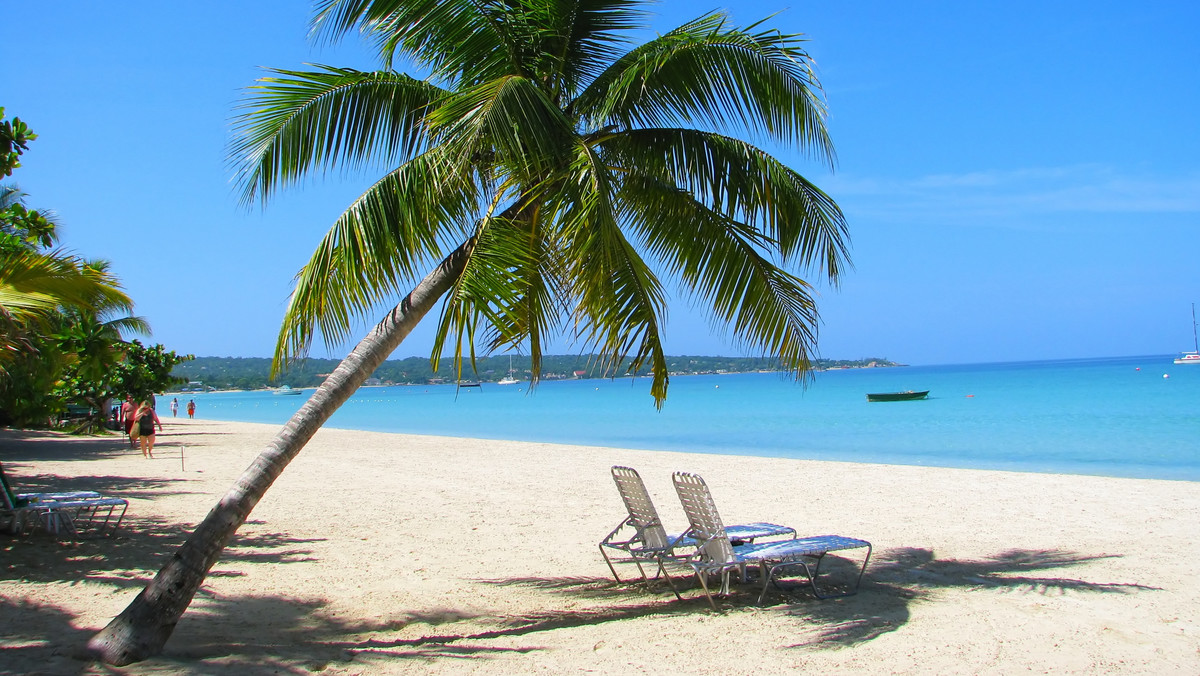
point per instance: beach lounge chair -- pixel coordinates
(54, 512)
(649, 540)
(716, 554)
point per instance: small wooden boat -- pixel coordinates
(908, 395)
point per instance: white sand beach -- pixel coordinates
(386, 553)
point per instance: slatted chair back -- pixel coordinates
(704, 521)
(642, 514)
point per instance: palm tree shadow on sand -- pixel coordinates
(227, 634)
(894, 581)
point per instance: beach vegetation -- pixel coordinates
(543, 178)
(15, 136)
(63, 318)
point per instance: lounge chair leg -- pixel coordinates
(670, 583)
(817, 571)
(645, 580)
(703, 577)
(610, 565)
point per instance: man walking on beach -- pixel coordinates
(127, 410)
(191, 408)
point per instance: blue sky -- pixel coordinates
(1021, 179)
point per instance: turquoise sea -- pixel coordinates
(1124, 417)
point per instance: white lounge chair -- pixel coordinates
(715, 554)
(68, 512)
(642, 537)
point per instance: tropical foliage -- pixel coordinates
(15, 136)
(544, 178)
(573, 174)
(62, 318)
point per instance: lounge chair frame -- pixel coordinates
(650, 541)
(716, 554)
(66, 512)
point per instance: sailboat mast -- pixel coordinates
(1194, 338)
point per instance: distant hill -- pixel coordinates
(251, 373)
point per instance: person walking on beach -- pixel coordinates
(146, 419)
(191, 409)
(127, 410)
(175, 407)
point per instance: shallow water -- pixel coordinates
(1112, 417)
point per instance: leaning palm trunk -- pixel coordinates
(142, 629)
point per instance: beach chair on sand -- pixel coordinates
(716, 554)
(641, 536)
(58, 512)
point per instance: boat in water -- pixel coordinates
(286, 390)
(508, 379)
(1192, 357)
(908, 395)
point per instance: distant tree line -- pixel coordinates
(250, 373)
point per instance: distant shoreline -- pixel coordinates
(215, 374)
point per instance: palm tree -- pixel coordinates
(550, 180)
(36, 286)
(93, 339)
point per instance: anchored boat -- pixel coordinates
(908, 395)
(1192, 357)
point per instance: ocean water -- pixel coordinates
(1125, 417)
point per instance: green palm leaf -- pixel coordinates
(377, 246)
(299, 121)
(509, 121)
(707, 73)
(741, 182)
(619, 301)
(724, 263)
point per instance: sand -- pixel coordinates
(385, 553)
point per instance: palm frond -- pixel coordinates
(296, 121)
(620, 302)
(130, 325)
(723, 262)
(580, 39)
(462, 42)
(742, 182)
(486, 293)
(540, 308)
(511, 121)
(374, 248)
(708, 73)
